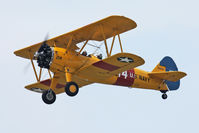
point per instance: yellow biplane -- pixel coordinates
(71, 67)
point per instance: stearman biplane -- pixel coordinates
(71, 68)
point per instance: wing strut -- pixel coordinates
(40, 74)
(69, 43)
(49, 74)
(83, 47)
(112, 45)
(102, 30)
(38, 77)
(120, 43)
(33, 67)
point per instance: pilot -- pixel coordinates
(99, 56)
(84, 53)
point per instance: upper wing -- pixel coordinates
(60, 87)
(110, 66)
(171, 76)
(111, 26)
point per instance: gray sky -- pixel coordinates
(167, 27)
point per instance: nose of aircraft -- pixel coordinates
(44, 55)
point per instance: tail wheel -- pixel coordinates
(71, 88)
(49, 96)
(164, 96)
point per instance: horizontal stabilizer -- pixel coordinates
(170, 75)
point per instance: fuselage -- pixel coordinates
(73, 61)
(136, 78)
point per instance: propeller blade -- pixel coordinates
(44, 44)
(26, 67)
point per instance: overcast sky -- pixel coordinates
(165, 28)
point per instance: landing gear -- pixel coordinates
(71, 88)
(164, 95)
(49, 96)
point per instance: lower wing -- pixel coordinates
(60, 87)
(108, 67)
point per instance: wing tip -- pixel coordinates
(133, 23)
(136, 58)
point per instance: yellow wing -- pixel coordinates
(111, 26)
(110, 66)
(45, 84)
(171, 76)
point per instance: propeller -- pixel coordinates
(44, 55)
(26, 67)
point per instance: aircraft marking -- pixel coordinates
(125, 59)
(126, 78)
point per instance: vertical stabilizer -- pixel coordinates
(167, 64)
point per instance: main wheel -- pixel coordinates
(71, 88)
(49, 96)
(164, 96)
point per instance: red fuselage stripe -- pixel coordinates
(126, 78)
